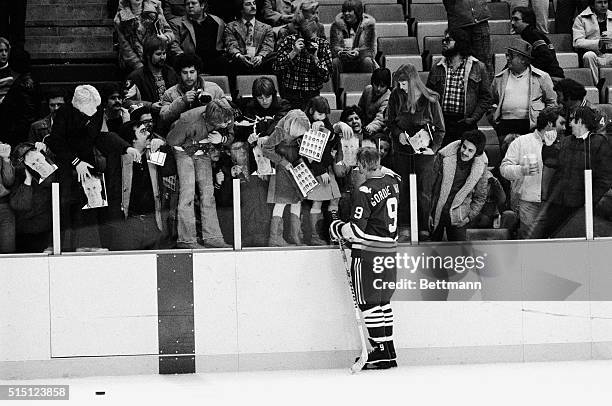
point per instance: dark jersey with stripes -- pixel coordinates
(374, 209)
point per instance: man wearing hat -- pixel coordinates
(520, 92)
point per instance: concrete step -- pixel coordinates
(67, 44)
(68, 87)
(66, 11)
(72, 31)
(76, 72)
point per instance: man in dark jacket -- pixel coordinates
(543, 51)
(463, 83)
(75, 134)
(148, 84)
(571, 156)
(473, 16)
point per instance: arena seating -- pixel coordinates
(244, 84)
(393, 52)
(351, 86)
(223, 83)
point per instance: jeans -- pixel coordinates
(565, 13)
(192, 169)
(528, 213)
(594, 62)
(481, 44)
(7, 229)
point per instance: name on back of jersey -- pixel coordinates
(381, 195)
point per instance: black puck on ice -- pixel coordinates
(100, 393)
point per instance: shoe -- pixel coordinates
(215, 243)
(276, 233)
(316, 225)
(403, 234)
(295, 236)
(189, 245)
(378, 358)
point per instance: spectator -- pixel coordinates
(148, 84)
(115, 115)
(571, 156)
(353, 40)
(265, 104)
(279, 12)
(135, 22)
(31, 201)
(542, 49)
(489, 216)
(591, 35)
(173, 9)
(538, 10)
(141, 192)
(78, 144)
(192, 136)
(20, 107)
(40, 129)
(282, 149)
(12, 21)
(565, 11)
(473, 16)
(201, 33)
(7, 218)
(571, 95)
(374, 99)
(523, 165)
(191, 91)
(520, 92)
(463, 83)
(460, 186)
(249, 42)
(7, 76)
(351, 115)
(303, 64)
(413, 109)
(308, 10)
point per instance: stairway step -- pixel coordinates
(67, 11)
(69, 44)
(62, 57)
(76, 72)
(68, 31)
(68, 87)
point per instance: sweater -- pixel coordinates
(529, 187)
(365, 36)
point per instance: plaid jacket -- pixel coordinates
(235, 38)
(301, 73)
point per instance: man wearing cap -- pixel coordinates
(592, 32)
(519, 92)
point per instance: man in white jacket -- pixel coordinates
(523, 166)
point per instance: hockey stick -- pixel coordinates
(357, 366)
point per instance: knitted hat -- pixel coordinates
(520, 46)
(86, 99)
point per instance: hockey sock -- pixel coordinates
(388, 315)
(375, 322)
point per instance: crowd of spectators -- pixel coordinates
(148, 163)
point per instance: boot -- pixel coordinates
(316, 224)
(295, 233)
(276, 233)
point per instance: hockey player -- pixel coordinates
(372, 231)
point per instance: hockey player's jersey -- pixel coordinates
(374, 212)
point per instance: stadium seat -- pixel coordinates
(561, 42)
(392, 62)
(499, 10)
(223, 83)
(352, 85)
(386, 12)
(607, 74)
(500, 42)
(394, 52)
(580, 75)
(383, 29)
(491, 135)
(244, 84)
(427, 12)
(334, 116)
(328, 12)
(328, 93)
(493, 154)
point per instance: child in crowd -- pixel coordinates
(282, 148)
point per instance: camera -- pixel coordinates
(202, 98)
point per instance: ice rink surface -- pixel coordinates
(551, 383)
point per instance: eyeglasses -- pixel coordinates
(446, 40)
(516, 19)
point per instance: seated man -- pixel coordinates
(201, 33)
(590, 33)
(353, 40)
(40, 129)
(374, 100)
(173, 9)
(193, 136)
(249, 43)
(192, 90)
(308, 10)
(115, 115)
(460, 186)
(278, 12)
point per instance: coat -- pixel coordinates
(541, 93)
(145, 91)
(374, 110)
(477, 92)
(585, 30)
(365, 36)
(463, 13)
(185, 38)
(133, 31)
(470, 199)
(235, 38)
(172, 100)
(529, 187)
(273, 9)
(19, 110)
(127, 171)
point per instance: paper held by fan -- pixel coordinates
(420, 142)
(313, 144)
(304, 178)
(264, 166)
(94, 187)
(157, 158)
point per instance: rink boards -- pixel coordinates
(113, 314)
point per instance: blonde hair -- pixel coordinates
(295, 123)
(409, 73)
